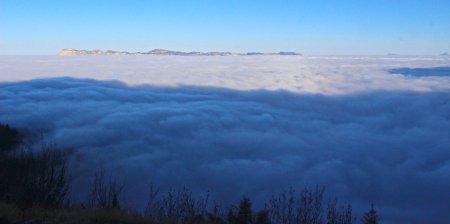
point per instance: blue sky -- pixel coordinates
(309, 27)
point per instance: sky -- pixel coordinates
(310, 27)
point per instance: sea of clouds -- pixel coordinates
(368, 129)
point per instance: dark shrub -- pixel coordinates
(34, 177)
(9, 138)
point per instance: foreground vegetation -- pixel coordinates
(35, 186)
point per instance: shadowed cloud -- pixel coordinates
(390, 148)
(421, 72)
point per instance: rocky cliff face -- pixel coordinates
(73, 52)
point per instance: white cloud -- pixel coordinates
(325, 75)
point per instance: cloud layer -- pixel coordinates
(369, 136)
(391, 148)
(300, 74)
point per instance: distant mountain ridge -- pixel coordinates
(74, 52)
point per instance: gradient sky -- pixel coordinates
(309, 27)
